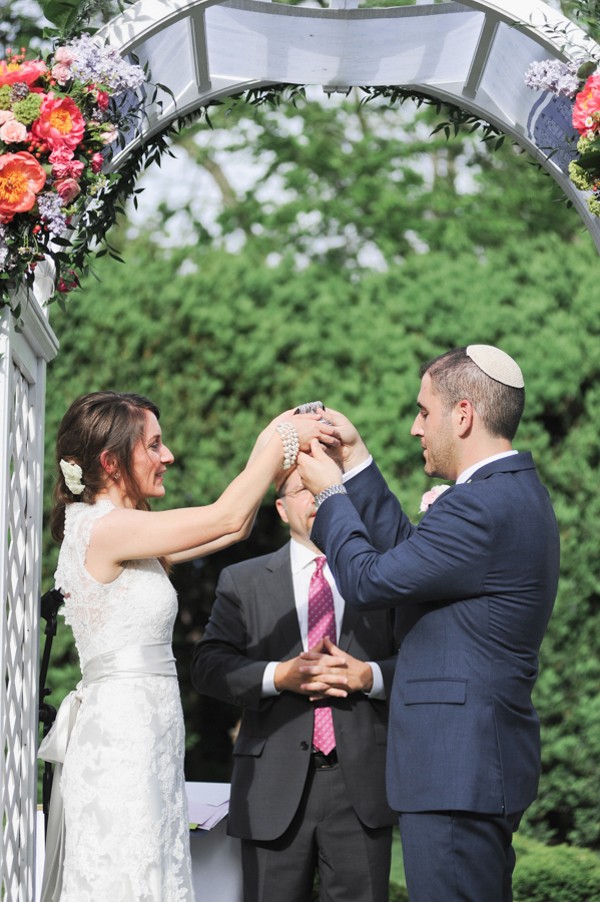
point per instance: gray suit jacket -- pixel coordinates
(254, 621)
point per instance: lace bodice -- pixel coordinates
(138, 607)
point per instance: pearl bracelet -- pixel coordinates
(320, 497)
(291, 444)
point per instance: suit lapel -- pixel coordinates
(279, 599)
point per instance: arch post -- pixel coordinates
(25, 350)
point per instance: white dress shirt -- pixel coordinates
(463, 477)
(302, 562)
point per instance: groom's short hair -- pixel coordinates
(455, 377)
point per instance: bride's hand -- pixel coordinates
(308, 427)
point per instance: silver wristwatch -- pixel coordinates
(320, 497)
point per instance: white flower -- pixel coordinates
(430, 496)
(72, 474)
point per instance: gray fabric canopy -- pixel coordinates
(473, 54)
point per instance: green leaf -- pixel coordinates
(586, 69)
(61, 13)
(589, 160)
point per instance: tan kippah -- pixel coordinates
(497, 365)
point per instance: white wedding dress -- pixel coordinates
(127, 832)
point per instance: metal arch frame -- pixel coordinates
(472, 54)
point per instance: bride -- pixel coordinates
(118, 829)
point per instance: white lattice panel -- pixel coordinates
(23, 357)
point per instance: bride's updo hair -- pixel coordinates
(101, 421)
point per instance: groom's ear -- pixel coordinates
(463, 416)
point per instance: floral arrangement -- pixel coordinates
(430, 496)
(59, 120)
(580, 83)
(72, 474)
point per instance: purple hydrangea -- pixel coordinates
(103, 65)
(52, 213)
(552, 75)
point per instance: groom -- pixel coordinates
(473, 585)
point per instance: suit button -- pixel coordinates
(304, 745)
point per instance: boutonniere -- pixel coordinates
(430, 496)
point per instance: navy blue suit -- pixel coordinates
(473, 586)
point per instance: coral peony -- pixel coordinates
(26, 73)
(586, 112)
(60, 124)
(21, 179)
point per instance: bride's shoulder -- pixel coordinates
(81, 516)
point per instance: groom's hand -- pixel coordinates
(317, 470)
(352, 450)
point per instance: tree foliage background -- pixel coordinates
(355, 245)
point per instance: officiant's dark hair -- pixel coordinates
(100, 421)
(455, 376)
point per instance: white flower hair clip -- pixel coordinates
(430, 496)
(72, 474)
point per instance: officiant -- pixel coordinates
(312, 677)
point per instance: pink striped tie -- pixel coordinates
(321, 622)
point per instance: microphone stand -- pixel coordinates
(50, 603)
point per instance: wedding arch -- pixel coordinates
(472, 54)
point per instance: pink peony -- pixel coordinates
(13, 132)
(587, 103)
(430, 496)
(21, 179)
(68, 190)
(6, 116)
(60, 123)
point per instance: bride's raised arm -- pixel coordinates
(184, 533)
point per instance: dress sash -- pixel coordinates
(146, 660)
